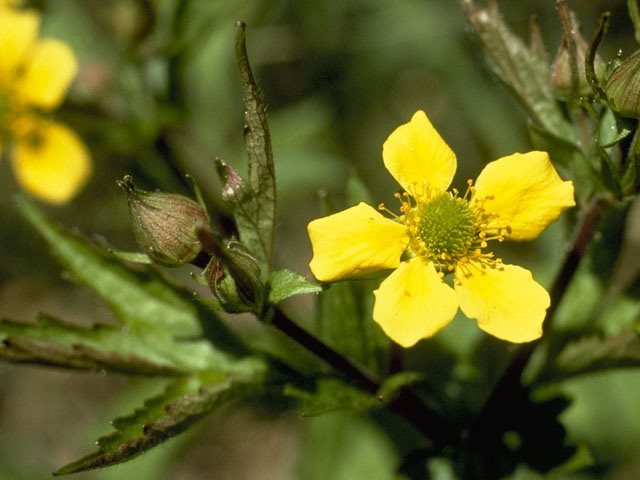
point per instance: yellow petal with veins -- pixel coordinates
(355, 241)
(415, 153)
(528, 193)
(506, 301)
(413, 302)
(48, 72)
(50, 161)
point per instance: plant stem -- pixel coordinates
(407, 404)
(509, 384)
(364, 379)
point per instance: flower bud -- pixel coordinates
(561, 80)
(165, 224)
(623, 87)
(233, 275)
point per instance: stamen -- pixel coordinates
(449, 230)
(383, 208)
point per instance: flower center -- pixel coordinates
(446, 226)
(449, 230)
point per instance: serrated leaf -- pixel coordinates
(150, 308)
(597, 353)
(183, 403)
(286, 283)
(138, 298)
(100, 347)
(331, 395)
(253, 202)
(525, 71)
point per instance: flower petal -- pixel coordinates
(413, 302)
(49, 70)
(529, 194)
(18, 32)
(355, 241)
(51, 162)
(507, 302)
(415, 153)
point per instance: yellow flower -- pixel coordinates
(48, 158)
(440, 232)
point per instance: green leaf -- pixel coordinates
(252, 202)
(604, 414)
(150, 308)
(525, 71)
(286, 283)
(511, 436)
(183, 403)
(596, 353)
(133, 257)
(345, 323)
(331, 395)
(612, 129)
(355, 448)
(393, 384)
(100, 347)
(138, 298)
(563, 152)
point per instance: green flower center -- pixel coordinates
(446, 226)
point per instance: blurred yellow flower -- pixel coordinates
(439, 232)
(48, 158)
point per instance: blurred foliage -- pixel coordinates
(158, 96)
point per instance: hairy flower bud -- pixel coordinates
(165, 224)
(623, 87)
(561, 71)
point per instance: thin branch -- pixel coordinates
(364, 379)
(407, 404)
(509, 384)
